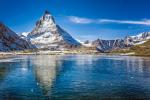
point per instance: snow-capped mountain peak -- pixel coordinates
(47, 33)
(48, 21)
(141, 36)
(48, 17)
(138, 39)
(45, 24)
(25, 34)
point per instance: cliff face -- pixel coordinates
(9, 40)
(108, 45)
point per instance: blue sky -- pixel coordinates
(83, 19)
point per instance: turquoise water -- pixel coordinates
(75, 77)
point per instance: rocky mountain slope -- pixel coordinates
(108, 45)
(10, 41)
(138, 39)
(111, 45)
(139, 50)
(48, 35)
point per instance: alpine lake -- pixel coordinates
(75, 77)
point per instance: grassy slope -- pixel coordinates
(139, 50)
(143, 49)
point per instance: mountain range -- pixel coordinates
(109, 45)
(48, 35)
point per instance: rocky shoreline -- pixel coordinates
(5, 55)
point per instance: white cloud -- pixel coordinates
(140, 22)
(81, 20)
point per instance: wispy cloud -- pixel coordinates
(140, 22)
(80, 20)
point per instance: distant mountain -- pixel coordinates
(109, 45)
(10, 41)
(138, 39)
(48, 35)
(139, 50)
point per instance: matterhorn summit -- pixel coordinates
(48, 35)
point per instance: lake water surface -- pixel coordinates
(75, 77)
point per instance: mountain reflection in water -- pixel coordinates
(45, 70)
(75, 77)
